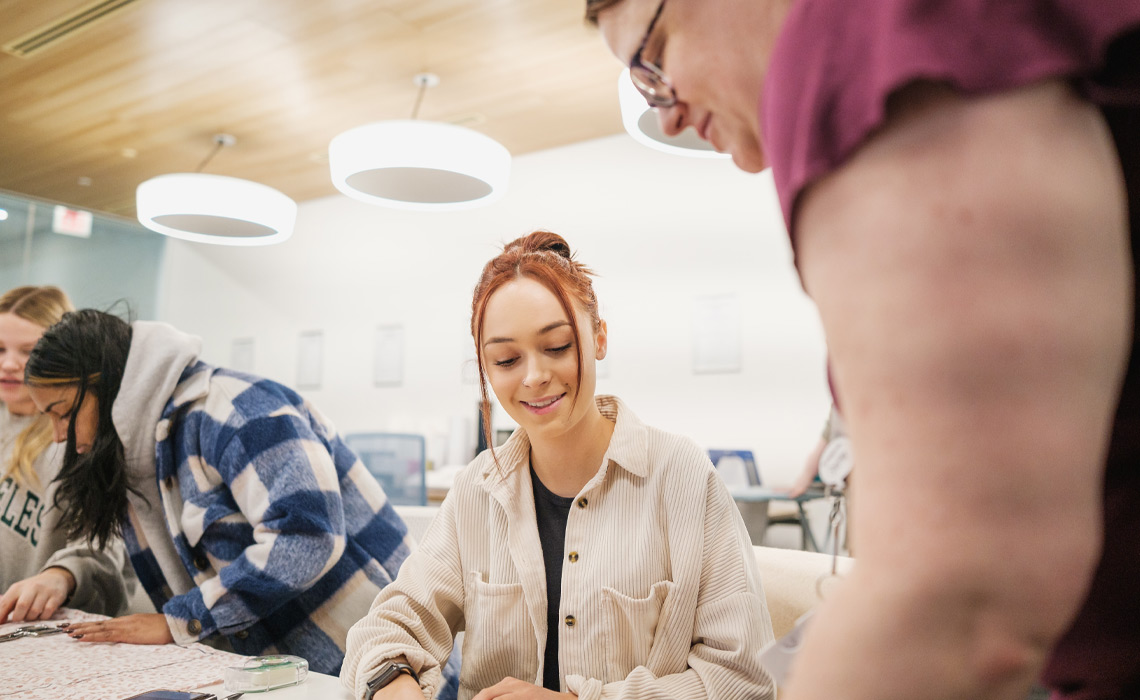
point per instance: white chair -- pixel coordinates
(789, 578)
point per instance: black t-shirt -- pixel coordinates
(551, 511)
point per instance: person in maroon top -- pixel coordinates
(961, 182)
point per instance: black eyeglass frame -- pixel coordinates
(653, 76)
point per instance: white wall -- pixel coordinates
(660, 231)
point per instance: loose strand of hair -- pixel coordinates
(485, 403)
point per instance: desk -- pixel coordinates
(57, 667)
(317, 686)
(439, 481)
(763, 494)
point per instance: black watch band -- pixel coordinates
(388, 673)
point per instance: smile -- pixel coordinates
(543, 405)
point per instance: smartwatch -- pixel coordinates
(388, 673)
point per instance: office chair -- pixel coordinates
(397, 462)
(738, 468)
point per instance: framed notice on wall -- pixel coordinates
(388, 364)
(716, 334)
(310, 359)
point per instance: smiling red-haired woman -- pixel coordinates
(585, 555)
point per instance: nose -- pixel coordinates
(537, 373)
(673, 120)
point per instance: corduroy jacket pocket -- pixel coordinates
(631, 628)
(499, 639)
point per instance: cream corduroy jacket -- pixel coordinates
(661, 596)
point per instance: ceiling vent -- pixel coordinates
(64, 27)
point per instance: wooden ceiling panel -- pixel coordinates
(143, 92)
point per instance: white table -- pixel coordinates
(317, 686)
(763, 494)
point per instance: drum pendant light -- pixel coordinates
(640, 122)
(215, 209)
(419, 165)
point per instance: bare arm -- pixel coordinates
(809, 471)
(971, 268)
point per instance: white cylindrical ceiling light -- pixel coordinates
(215, 209)
(419, 165)
(641, 123)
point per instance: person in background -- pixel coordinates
(590, 555)
(809, 474)
(961, 183)
(247, 519)
(41, 569)
(810, 477)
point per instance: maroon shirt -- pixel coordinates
(835, 64)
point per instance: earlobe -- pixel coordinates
(600, 341)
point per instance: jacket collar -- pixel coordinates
(628, 449)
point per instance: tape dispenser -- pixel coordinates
(263, 673)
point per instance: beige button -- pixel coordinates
(242, 634)
(570, 620)
(194, 627)
(582, 502)
(573, 557)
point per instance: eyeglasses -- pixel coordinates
(650, 80)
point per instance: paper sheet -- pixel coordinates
(58, 667)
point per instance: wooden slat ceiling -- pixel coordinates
(143, 91)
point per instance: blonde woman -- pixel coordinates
(41, 569)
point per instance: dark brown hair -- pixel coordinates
(88, 349)
(544, 257)
(594, 7)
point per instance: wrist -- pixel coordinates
(66, 579)
(392, 674)
(401, 686)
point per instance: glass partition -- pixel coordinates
(119, 261)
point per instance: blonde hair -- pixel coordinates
(43, 306)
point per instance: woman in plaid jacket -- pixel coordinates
(246, 516)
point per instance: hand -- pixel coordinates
(37, 597)
(514, 689)
(144, 628)
(803, 483)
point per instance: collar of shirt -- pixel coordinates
(628, 449)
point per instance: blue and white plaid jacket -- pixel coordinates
(284, 533)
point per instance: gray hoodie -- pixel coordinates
(158, 355)
(31, 539)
